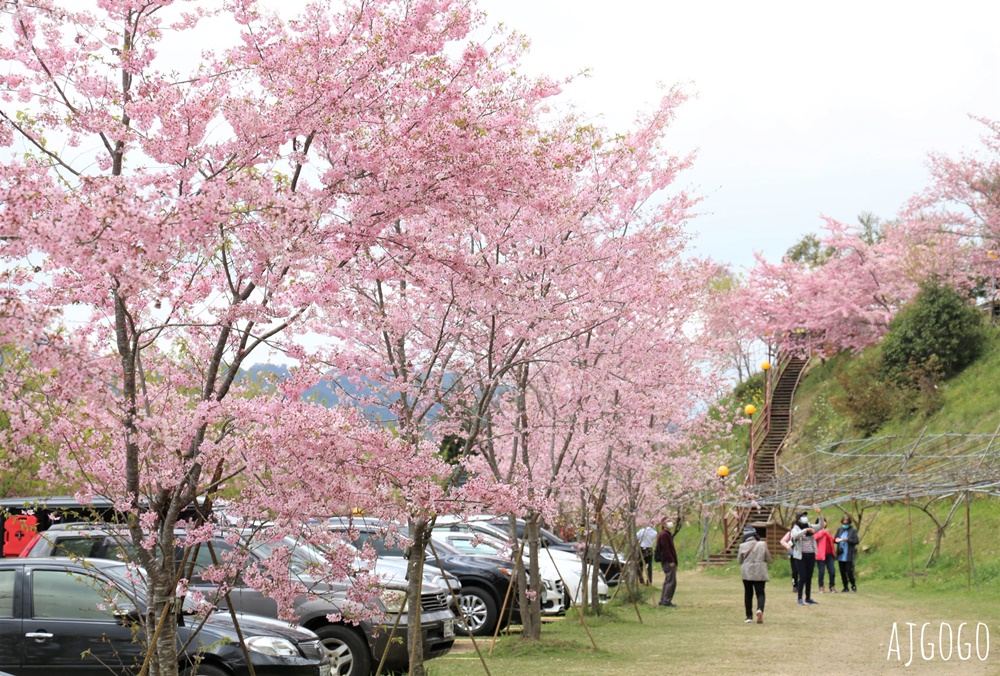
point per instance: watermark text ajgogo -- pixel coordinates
(966, 642)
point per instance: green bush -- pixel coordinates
(920, 386)
(867, 399)
(938, 322)
(751, 390)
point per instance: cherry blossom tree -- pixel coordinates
(165, 225)
(594, 341)
(734, 324)
(962, 204)
(477, 300)
(947, 232)
(846, 302)
(360, 191)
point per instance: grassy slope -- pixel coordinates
(970, 400)
(971, 405)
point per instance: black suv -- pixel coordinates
(609, 561)
(353, 650)
(485, 579)
(57, 616)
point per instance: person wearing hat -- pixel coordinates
(753, 558)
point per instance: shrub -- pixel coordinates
(751, 390)
(939, 323)
(920, 384)
(868, 400)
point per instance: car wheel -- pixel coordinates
(347, 652)
(479, 613)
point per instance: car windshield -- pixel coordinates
(482, 545)
(303, 557)
(132, 580)
(543, 533)
(550, 537)
(443, 548)
(128, 577)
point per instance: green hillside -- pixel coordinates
(968, 403)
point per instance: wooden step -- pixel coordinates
(779, 414)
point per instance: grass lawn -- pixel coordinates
(844, 634)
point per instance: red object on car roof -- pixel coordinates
(19, 531)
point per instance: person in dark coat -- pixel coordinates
(666, 554)
(846, 541)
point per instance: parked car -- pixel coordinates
(611, 561)
(24, 517)
(557, 565)
(352, 650)
(485, 579)
(472, 544)
(57, 617)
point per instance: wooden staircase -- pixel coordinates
(767, 434)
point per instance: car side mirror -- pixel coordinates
(126, 613)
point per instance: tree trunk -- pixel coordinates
(594, 556)
(161, 619)
(636, 564)
(587, 532)
(420, 535)
(531, 612)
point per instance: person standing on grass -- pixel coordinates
(825, 555)
(753, 558)
(847, 548)
(647, 540)
(804, 553)
(786, 542)
(666, 554)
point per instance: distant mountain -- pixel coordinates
(339, 391)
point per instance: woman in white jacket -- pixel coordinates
(753, 558)
(804, 553)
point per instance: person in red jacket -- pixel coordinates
(666, 554)
(825, 556)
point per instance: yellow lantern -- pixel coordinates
(723, 471)
(765, 365)
(750, 409)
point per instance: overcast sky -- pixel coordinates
(802, 108)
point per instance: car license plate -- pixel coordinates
(449, 628)
(324, 670)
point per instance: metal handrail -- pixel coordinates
(761, 425)
(759, 429)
